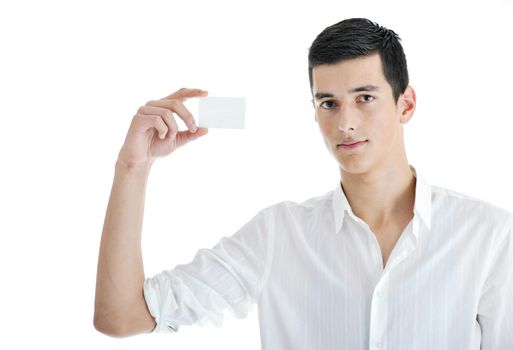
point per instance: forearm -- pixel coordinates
(120, 276)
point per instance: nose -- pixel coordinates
(346, 120)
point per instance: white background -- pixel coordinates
(73, 74)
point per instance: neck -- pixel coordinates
(383, 196)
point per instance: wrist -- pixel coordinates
(130, 167)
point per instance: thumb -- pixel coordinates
(199, 132)
(183, 137)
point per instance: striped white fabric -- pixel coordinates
(315, 271)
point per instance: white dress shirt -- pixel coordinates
(315, 270)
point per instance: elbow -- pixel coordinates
(120, 323)
(109, 328)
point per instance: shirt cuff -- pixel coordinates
(153, 300)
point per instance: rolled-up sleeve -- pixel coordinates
(495, 311)
(228, 276)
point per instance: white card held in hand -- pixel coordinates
(221, 112)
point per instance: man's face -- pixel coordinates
(369, 114)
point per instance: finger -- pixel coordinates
(175, 106)
(165, 113)
(153, 121)
(185, 93)
(171, 124)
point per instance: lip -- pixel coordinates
(352, 145)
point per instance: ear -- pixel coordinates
(407, 102)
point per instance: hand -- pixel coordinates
(154, 133)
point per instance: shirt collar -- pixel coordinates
(422, 206)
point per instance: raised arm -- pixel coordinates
(120, 309)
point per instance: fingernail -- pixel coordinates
(193, 128)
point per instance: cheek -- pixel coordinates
(325, 127)
(383, 130)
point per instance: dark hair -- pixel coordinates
(355, 37)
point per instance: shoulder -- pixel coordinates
(469, 209)
(302, 207)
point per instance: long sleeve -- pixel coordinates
(495, 311)
(227, 276)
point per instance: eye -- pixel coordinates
(359, 97)
(325, 102)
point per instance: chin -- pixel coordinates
(354, 170)
(354, 165)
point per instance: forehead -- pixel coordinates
(342, 76)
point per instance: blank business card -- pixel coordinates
(221, 112)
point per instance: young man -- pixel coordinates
(385, 260)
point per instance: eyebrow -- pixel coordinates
(321, 95)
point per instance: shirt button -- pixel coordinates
(379, 294)
(378, 345)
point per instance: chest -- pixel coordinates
(387, 237)
(331, 284)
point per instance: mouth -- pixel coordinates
(353, 145)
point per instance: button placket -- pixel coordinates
(379, 315)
